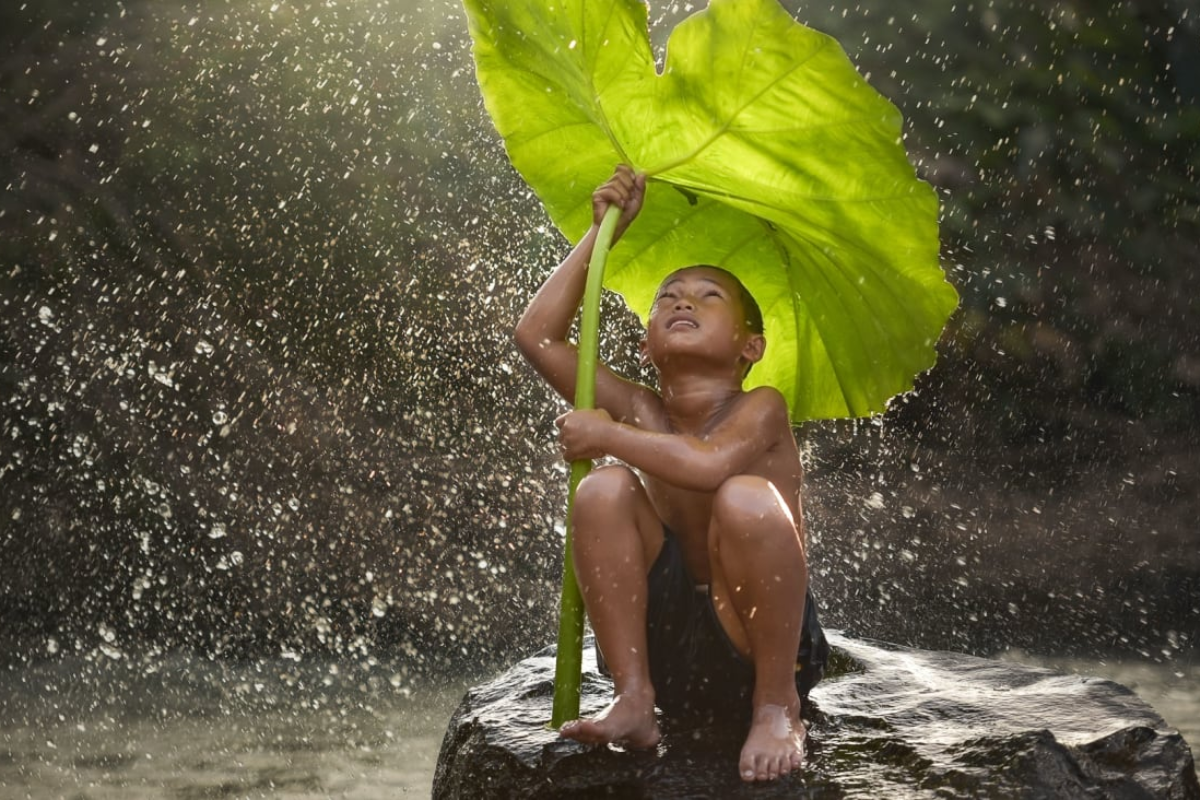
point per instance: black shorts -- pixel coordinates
(695, 668)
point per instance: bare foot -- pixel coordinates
(775, 744)
(628, 720)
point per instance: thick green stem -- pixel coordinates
(568, 667)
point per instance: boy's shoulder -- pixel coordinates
(766, 400)
(764, 407)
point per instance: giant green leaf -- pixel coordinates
(768, 155)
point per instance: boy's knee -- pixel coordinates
(606, 486)
(747, 495)
(749, 506)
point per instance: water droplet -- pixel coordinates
(217, 531)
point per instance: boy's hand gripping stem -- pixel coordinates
(568, 667)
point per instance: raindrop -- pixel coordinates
(217, 531)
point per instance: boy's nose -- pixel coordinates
(684, 303)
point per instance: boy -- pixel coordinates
(692, 569)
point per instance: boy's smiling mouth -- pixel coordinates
(681, 320)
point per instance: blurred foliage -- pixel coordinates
(259, 261)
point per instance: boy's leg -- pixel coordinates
(759, 579)
(616, 537)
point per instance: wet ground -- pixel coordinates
(191, 728)
(1173, 690)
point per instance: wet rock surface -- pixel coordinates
(889, 722)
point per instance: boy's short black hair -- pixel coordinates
(754, 317)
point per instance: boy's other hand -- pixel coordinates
(626, 190)
(580, 433)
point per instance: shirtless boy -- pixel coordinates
(690, 554)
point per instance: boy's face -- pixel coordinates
(698, 312)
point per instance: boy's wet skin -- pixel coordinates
(713, 464)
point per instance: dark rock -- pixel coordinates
(888, 722)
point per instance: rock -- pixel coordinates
(888, 721)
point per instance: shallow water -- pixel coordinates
(196, 729)
(191, 728)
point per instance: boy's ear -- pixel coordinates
(644, 353)
(754, 348)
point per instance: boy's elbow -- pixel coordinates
(527, 341)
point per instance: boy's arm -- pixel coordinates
(754, 426)
(541, 334)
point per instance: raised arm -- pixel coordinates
(541, 334)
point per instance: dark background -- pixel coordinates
(258, 266)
